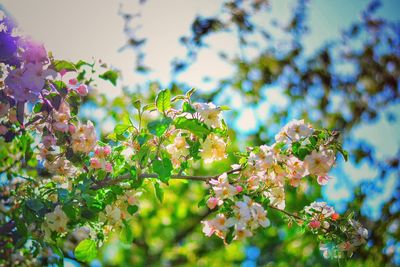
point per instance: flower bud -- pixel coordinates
(239, 188)
(314, 224)
(212, 202)
(82, 90)
(108, 167)
(107, 150)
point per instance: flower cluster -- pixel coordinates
(294, 131)
(99, 161)
(321, 215)
(25, 83)
(114, 215)
(355, 236)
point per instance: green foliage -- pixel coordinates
(195, 126)
(158, 127)
(163, 101)
(110, 76)
(163, 168)
(86, 250)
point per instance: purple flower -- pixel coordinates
(27, 83)
(8, 49)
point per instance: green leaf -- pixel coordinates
(83, 63)
(159, 192)
(158, 127)
(126, 235)
(110, 76)
(133, 209)
(37, 107)
(86, 250)
(196, 127)
(163, 100)
(344, 153)
(143, 138)
(163, 168)
(224, 108)
(229, 236)
(35, 204)
(61, 87)
(186, 107)
(63, 65)
(121, 128)
(137, 104)
(202, 203)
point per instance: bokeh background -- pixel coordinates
(334, 63)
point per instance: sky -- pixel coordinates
(92, 29)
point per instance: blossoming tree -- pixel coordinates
(60, 182)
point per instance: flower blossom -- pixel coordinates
(213, 148)
(178, 150)
(56, 220)
(294, 131)
(84, 138)
(210, 114)
(319, 163)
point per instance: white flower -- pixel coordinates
(210, 113)
(213, 148)
(241, 233)
(178, 150)
(259, 215)
(277, 197)
(56, 220)
(60, 166)
(294, 131)
(319, 163)
(217, 225)
(321, 208)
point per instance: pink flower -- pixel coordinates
(95, 163)
(108, 167)
(323, 179)
(82, 90)
(239, 188)
(314, 224)
(212, 202)
(107, 150)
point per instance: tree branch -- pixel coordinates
(109, 181)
